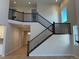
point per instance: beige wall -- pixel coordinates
(25, 39)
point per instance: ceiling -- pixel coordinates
(24, 3)
(49, 1)
(23, 6)
(22, 27)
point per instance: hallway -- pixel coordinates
(18, 54)
(21, 54)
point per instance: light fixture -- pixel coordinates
(29, 3)
(14, 2)
(56, 0)
(29, 33)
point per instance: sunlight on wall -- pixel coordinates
(64, 15)
(75, 34)
(55, 17)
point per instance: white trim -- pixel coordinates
(54, 55)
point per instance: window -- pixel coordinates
(64, 15)
(75, 34)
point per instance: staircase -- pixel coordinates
(40, 19)
(39, 39)
(44, 35)
(50, 29)
(48, 32)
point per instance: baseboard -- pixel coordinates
(12, 51)
(54, 55)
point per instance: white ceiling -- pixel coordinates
(24, 3)
(49, 1)
(22, 27)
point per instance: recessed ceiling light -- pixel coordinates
(14, 2)
(29, 33)
(56, 0)
(29, 3)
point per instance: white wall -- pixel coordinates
(56, 45)
(48, 11)
(77, 11)
(36, 28)
(76, 4)
(4, 6)
(72, 18)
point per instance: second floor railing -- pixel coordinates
(28, 17)
(62, 28)
(21, 16)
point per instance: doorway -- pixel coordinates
(75, 34)
(19, 38)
